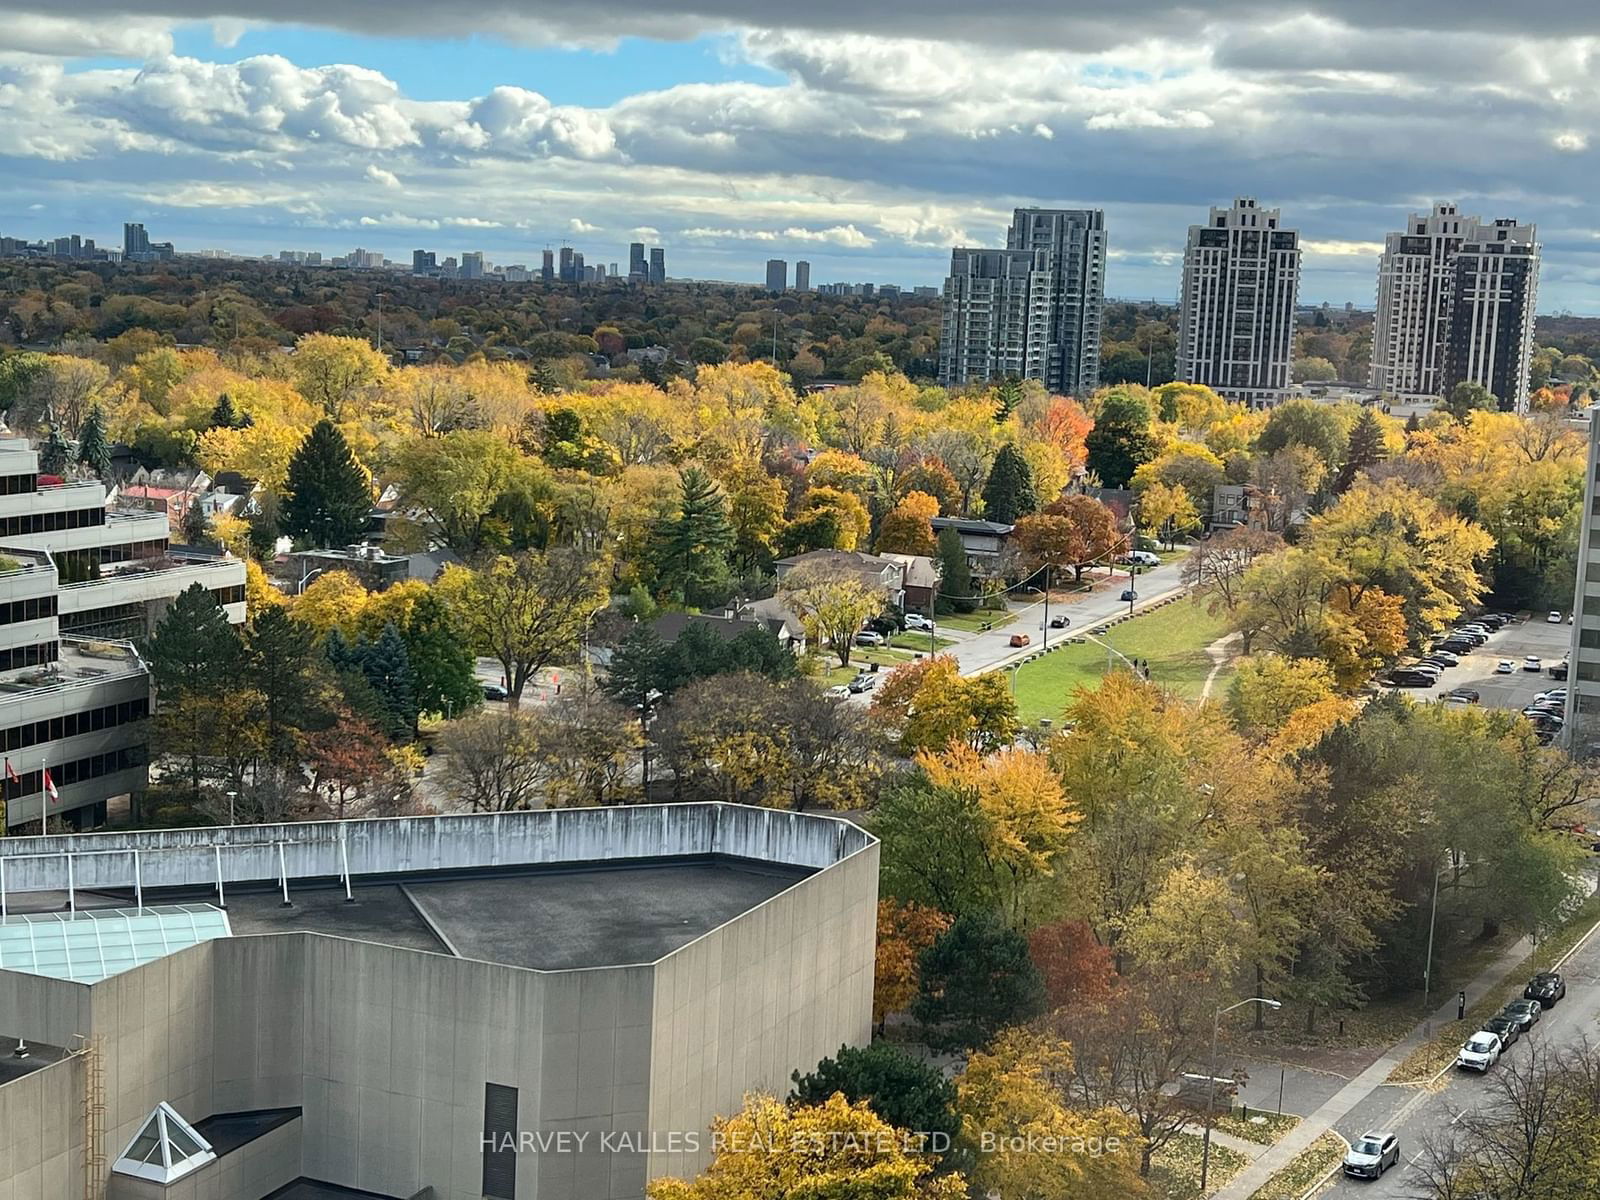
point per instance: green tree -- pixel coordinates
(1120, 441)
(472, 488)
(1007, 394)
(956, 592)
(329, 493)
(1366, 449)
(195, 526)
(94, 446)
(442, 668)
(225, 416)
(264, 524)
(1009, 492)
(194, 656)
(1467, 398)
(386, 665)
(283, 666)
(1304, 423)
(905, 1092)
(54, 454)
(976, 980)
(691, 546)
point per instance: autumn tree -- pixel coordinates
(1215, 569)
(905, 930)
(351, 773)
(1267, 689)
(494, 762)
(929, 705)
(1074, 966)
(1167, 510)
(906, 528)
(833, 605)
(527, 610)
(335, 373)
(471, 489)
(835, 1149)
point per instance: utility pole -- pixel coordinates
(380, 323)
(774, 337)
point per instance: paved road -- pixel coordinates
(1415, 1114)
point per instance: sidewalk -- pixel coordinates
(1364, 1084)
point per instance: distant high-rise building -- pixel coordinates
(638, 269)
(1241, 280)
(547, 269)
(658, 265)
(613, 273)
(777, 275)
(577, 266)
(1492, 300)
(472, 264)
(802, 276)
(1581, 731)
(1032, 310)
(567, 265)
(135, 241)
(1416, 276)
(424, 262)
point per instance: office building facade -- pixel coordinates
(567, 265)
(1032, 310)
(658, 265)
(547, 267)
(638, 267)
(1493, 297)
(472, 264)
(802, 276)
(1580, 732)
(424, 262)
(1416, 279)
(1241, 282)
(777, 275)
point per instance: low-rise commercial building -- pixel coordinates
(461, 1003)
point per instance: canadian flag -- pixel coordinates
(50, 787)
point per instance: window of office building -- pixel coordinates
(499, 1142)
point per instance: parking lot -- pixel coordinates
(1529, 635)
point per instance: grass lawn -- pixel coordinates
(1173, 638)
(1315, 1161)
(1265, 1128)
(887, 658)
(912, 639)
(1175, 1169)
(974, 622)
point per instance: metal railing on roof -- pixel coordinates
(123, 576)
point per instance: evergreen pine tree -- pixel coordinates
(955, 576)
(1009, 394)
(1009, 492)
(692, 546)
(387, 668)
(442, 671)
(636, 670)
(328, 491)
(1413, 425)
(54, 454)
(94, 447)
(194, 655)
(281, 664)
(196, 526)
(1366, 448)
(224, 415)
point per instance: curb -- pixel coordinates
(1332, 1171)
(1028, 653)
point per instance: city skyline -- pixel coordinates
(537, 129)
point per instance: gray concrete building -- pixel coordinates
(802, 276)
(1032, 310)
(1241, 281)
(1493, 297)
(519, 1006)
(1416, 277)
(777, 274)
(1580, 732)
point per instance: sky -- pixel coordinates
(865, 138)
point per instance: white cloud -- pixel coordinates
(381, 177)
(579, 225)
(847, 236)
(1571, 142)
(1040, 129)
(1337, 249)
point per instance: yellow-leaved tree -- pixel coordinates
(831, 1151)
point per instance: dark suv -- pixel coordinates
(1546, 987)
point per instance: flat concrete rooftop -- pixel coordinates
(36, 1057)
(551, 919)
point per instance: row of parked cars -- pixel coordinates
(1375, 1151)
(1448, 650)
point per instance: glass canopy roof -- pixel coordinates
(90, 945)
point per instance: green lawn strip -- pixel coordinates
(1261, 1127)
(1304, 1170)
(975, 621)
(1173, 638)
(1434, 1055)
(1175, 1168)
(911, 639)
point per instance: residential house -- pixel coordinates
(984, 542)
(872, 569)
(919, 580)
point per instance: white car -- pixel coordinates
(868, 638)
(1372, 1155)
(1143, 558)
(918, 621)
(1554, 618)
(839, 690)
(1533, 663)
(1482, 1051)
(1504, 667)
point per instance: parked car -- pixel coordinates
(1558, 670)
(1554, 618)
(862, 683)
(1411, 677)
(1481, 1051)
(1471, 637)
(1533, 663)
(1372, 1155)
(918, 621)
(1141, 558)
(1451, 646)
(868, 638)
(1504, 667)
(1524, 1012)
(1470, 695)
(1129, 595)
(1020, 639)
(1553, 694)
(493, 691)
(1547, 987)
(1503, 1028)
(1444, 658)
(1059, 622)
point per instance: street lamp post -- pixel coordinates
(232, 796)
(1433, 915)
(1211, 1078)
(306, 578)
